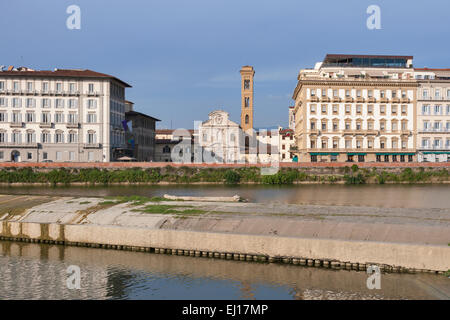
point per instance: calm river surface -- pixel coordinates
(398, 196)
(32, 271)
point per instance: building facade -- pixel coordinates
(174, 145)
(141, 135)
(433, 115)
(354, 108)
(61, 115)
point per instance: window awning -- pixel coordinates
(356, 154)
(394, 154)
(436, 152)
(324, 153)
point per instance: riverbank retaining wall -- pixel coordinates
(313, 252)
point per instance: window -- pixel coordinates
(313, 125)
(335, 108)
(91, 103)
(335, 93)
(404, 144)
(72, 137)
(71, 155)
(324, 109)
(16, 86)
(2, 137)
(246, 84)
(45, 103)
(394, 93)
(360, 158)
(16, 102)
(72, 103)
(45, 138)
(59, 103)
(370, 109)
(45, 155)
(16, 137)
(347, 93)
(382, 125)
(313, 92)
(437, 93)
(313, 158)
(358, 109)
(378, 158)
(30, 86)
(72, 87)
(59, 138)
(16, 117)
(3, 117)
(335, 144)
(402, 158)
(58, 156)
(91, 138)
(404, 110)
(30, 103)
(166, 149)
(59, 117)
(2, 85)
(370, 93)
(313, 108)
(324, 92)
(246, 119)
(347, 109)
(313, 144)
(1, 155)
(29, 156)
(72, 118)
(437, 109)
(90, 156)
(382, 109)
(358, 144)
(29, 116)
(425, 143)
(335, 126)
(45, 117)
(347, 125)
(246, 102)
(358, 93)
(386, 158)
(382, 94)
(2, 102)
(91, 87)
(425, 93)
(45, 87)
(410, 158)
(92, 118)
(394, 109)
(382, 144)
(324, 125)
(425, 109)
(30, 137)
(394, 126)
(348, 144)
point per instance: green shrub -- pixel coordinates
(232, 177)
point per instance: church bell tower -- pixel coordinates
(247, 74)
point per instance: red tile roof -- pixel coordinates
(63, 73)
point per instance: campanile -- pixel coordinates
(247, 74)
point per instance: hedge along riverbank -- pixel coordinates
(169, 174)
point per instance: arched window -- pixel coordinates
(246, 119)
(166, 149)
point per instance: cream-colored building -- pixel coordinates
(356, 108)
(61, 116)
(433, 114)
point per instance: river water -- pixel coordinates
(33, 271)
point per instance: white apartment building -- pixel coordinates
(61, 116)
(356, 108)
(433, 114)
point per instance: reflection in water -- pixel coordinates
(391, 196)
(32, 271)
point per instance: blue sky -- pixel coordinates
(183, 57)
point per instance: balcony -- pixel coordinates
(404, 100)
(325, 99)
(371, 100)
(45, 125)
(16, 124)
(314, 99)
(72, 125)
(395, 100)
(336, 99)
(314, 131)
(92, 93)
(360, 99)
(92, 146)
(19, 145)
(348, 99)
(384, 100)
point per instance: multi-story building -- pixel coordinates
(61, 115)
(174, 145)
(433, 114)
(141, 137)
(286, 144)
(356, 108)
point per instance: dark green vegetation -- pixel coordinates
(348, 175)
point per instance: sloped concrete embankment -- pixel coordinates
(120, 227)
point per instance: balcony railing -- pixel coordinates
(92, 145)
(16, 124)
(19, 145)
